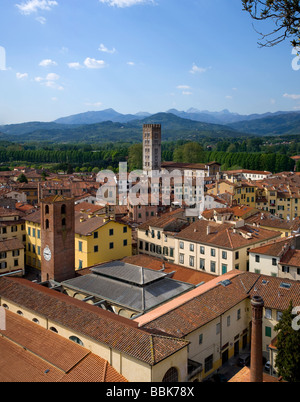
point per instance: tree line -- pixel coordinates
(107, 156)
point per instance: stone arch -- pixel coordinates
(171, 375)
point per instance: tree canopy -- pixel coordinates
(284, 13)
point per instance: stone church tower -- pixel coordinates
(57, 238)
(151, 148)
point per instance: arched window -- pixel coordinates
(76, 340)
(63, 209)
(5, 306)
(35, 320)
(53, 330)
(47, 209)
(171, 375)
(19, 312)
(47, 224)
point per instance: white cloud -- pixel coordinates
(195, 69)
(41, 20)
(52, 77)
(21, 76)
(183, 87)
(187, 93)
(125, 3)
(75, 65)
(104, 49)
(47, 63)
(292, 96)
(93, 63)
(131, 63)
(229, 97)
(32, 6)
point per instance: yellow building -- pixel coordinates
(11, 256)
(12, 226)
(97, 240)
(242, 192)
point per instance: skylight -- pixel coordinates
(285, 285)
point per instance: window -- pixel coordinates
(95, 235)
(202, 250)
(268, 313)
(181, 258)
(212, 252)
(38, 234)
(63, 209)
(47, 209)
(238, 314)
(228, 321)
(111, 232)
(285, 269)
(29, 231)
(212, 266)
(192, 261)
(33, 232)
(274, 262)
(237, 255)
(192, 247)
(268, 332)
(200, 339)
(172, 252)
(202, 263)
(96, 249)
(181, 245)
(80, 245)
(111, 246)
(80, 264)
(218, 328)
(279, 315)
(125, 229)
(125, 242)
(257, 258)
(47, 224)
(171, 375)
(76, 340)
(224, 255)
(16, 253)
(208, 363)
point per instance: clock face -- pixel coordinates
(47, 253)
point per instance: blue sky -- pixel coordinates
(71, 56)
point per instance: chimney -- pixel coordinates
(256, 367)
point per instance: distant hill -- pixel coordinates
(173, 128)
(100, 117)
(190, 125)
(281, 124)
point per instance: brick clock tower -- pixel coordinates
(57, 238)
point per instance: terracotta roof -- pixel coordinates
(277, 293)
(292, 258)
(244, 376)
(102, 326)
(10, 244)
(225, 235)
(31, 353)
(275, 248)
(88, 207)
(35, 217)
(163, 220)
(186, 314)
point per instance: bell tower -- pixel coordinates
(151, 148)
(57, 238)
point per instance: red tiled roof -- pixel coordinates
(114, 331)
(31, 353)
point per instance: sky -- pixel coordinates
(63, 57)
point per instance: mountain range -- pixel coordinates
(109, 125)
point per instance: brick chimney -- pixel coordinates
(256, 367)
